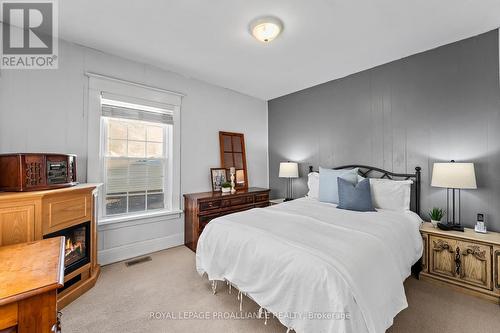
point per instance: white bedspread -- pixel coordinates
(305, 258)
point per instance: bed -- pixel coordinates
(315, 267)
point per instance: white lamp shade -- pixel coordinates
(454, 175)
(289, 170)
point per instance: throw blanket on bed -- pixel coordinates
(312, 264)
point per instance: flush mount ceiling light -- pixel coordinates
(265, 29)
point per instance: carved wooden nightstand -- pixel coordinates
(468, 261)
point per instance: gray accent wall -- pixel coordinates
(438, 105)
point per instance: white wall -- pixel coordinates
(46, 111)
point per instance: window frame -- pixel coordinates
(97, 85)
(167, 176)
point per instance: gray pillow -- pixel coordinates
(328, 186)
(355, 197)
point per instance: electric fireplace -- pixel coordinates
(77, 246)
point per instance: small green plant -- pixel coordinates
(226, 184)
(436, 214)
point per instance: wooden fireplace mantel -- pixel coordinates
(29, 216)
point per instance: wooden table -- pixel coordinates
(30, 274)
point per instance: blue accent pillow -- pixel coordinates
(328, 186)
(355, 197)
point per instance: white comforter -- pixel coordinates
(308, 263)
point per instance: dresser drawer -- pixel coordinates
(237, 201)
(203, 221)
(207, 205)
(262, 197)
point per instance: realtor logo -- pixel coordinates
(29, 34)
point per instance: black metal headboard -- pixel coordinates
(373, 172)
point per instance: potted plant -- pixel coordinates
(436, 214)
(226, 187)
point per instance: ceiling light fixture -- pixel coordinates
(266, 29)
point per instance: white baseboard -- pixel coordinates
(109, 256)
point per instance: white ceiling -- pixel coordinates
(322, 40)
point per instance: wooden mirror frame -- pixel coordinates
(225, 165)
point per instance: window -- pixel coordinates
(136, 145)
(133, 149)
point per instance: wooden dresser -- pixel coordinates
(30, 274)
(201, 208)
(467, 261)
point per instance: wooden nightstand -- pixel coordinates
(276, 201)
(467, 261)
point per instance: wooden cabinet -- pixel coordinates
(17, 223)
(468, 260)
(475, 264)
(463, 261)
(34, 215)
(201, 208)
(442, 256)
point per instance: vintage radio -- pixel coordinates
(32, 172)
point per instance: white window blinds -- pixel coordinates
(136, 154)
(123, 107)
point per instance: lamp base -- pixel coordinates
(288, 199)
(449, 226)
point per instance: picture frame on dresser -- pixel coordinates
(218, 176)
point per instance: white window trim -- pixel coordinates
(97, 84)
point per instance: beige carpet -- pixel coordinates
(124, 297)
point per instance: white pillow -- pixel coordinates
(313, 185)
(391, 194)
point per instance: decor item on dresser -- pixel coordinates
(34, 172)
(232, 172)
(468, 261)
(480, 224)
(218, 176)
(436, 214)
(289, 170)
(226, 187)
(31, 274)
(201, 208)
(70, 212)
(232, 154)
(453, 176)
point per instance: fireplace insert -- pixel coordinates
(77, 246)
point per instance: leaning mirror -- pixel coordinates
(232, 155)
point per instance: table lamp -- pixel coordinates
(453, 176)
(289, 170)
